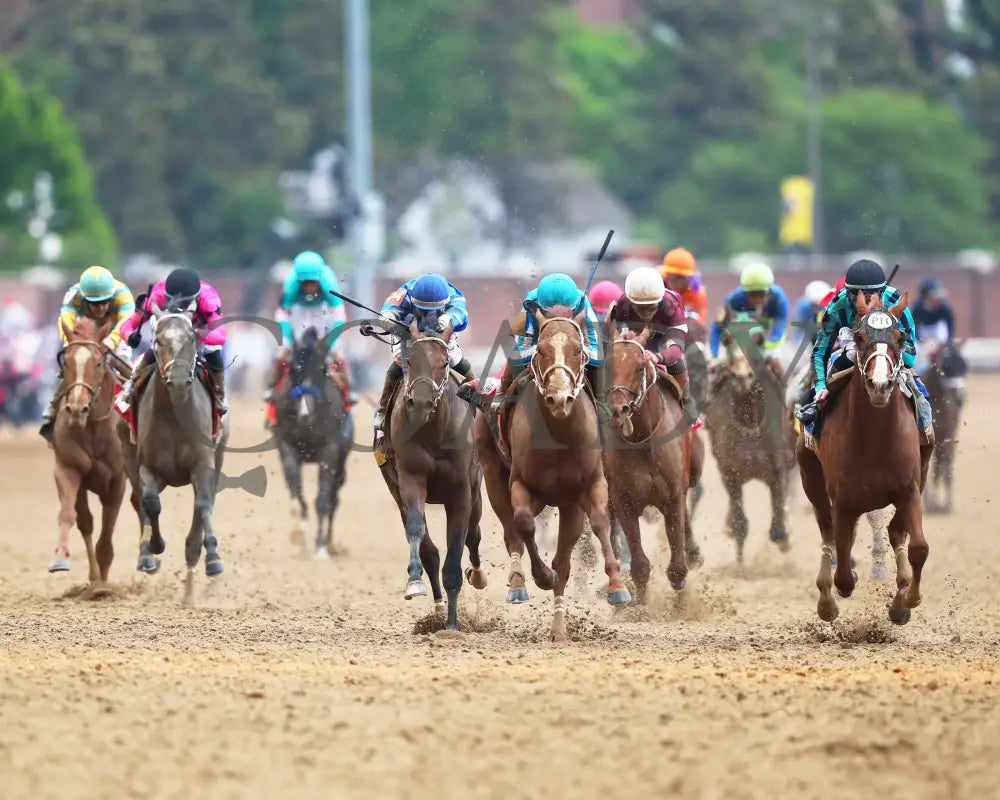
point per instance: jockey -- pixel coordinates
(182, 292)
(603, 296)
(101, 297)
(648, 302)
(932, 313)
(553, 290)
(307, 302)
(865, 276)
(758, 295)
(431, 299)
(679, 275)
(810, 306)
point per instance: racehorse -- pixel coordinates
(88, 453)
(555, 460)
(868, 456)
(648, 464)
(313, 427)
(181, 442)
(431, 459)
(749, 433)
(945, 382)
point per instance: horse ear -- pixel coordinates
(581, 318)
(898, 308)
(414, 330)
(105, 329)
(539, 317)
(861, 303)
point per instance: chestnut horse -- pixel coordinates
(648, 464)
(88, 453)
(556, 460)
(433, 460)
(750, 433)
(869, 456)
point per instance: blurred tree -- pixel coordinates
(35, 136)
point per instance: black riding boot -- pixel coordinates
(392, 376)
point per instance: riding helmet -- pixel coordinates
(678, 261)
(182, 286)
(644, 286)
(97, 285)
(816, 291)
(931, 286)
(756, 277)
(430, 291)
(603, 295)
(308, 266)
(557, 289)
(866, 275)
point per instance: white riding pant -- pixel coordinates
(454, 350)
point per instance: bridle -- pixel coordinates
(638, 395)
(879, 350)
(165, 368)
(436, 388)
(576, 378)
(101, 366)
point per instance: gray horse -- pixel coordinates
(313, 426)
(175, 448)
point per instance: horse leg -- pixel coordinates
(844, 522)
(811, 472)
(691, 549)
(475, 574)
(412, 492)
(673, 517)
(149, 509)
(587, 560)
(737, 518)
(111, 504)
(336, 470)
(457, 508)
(523, 532)
(779, 491)
(918, 549)
(85, 524)
(430, 560)
(204, 483)
(876, 519)
(946, 455)
(628, 519)
(67, 485)
(324, 491)
(495, 478)
(596, 507)
(570, 528)
(291, 466)
(623, 552)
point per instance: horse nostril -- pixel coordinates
(550, 401)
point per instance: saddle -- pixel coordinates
(142, 381)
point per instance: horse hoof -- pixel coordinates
(678, 586)
(695, 560)
(415, 589)
(619, 597)
(849, 592)
(214, 567)
(517, 595)
(880, 573)
(321, 554)
(148, 564)
(827, 609)
(898, 616)
(59, 564)
(476, 577)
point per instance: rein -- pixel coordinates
(576, 378)
(94, 393)
(437, 388)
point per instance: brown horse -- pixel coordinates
(648, 464)
(555, 460)
(945, 382)
(869, 456)
(88, 453)
(432, 460)
(750, 434)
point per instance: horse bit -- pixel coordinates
(576, 378)
(437, 388)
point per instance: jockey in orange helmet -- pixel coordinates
(678, 273)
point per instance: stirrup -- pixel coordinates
(806, 414)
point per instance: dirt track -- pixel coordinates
(300, 678)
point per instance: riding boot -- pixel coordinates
(342, 376)
(678, 371)
(48, 428)
(392, 376)
(219, 386)
(277, 369)
(125, 398)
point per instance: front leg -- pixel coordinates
(844, 522)
(736, 520)
(570, 527)
(291, 466)
(457, 507)
(151, 544)
(111, 503)
(413, 493)
(779, 487)
(67, 485)
(525, 508)
(596, 507)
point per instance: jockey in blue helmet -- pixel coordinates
(435, 304)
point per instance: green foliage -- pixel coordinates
(35, 136)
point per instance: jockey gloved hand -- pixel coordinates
(134, 339)
(442, 323)
(109, 344)
(821, 396)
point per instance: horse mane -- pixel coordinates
(559, 312)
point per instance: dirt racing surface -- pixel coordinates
(308, 678)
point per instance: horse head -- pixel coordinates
(175, 344)
(879, 343)
(84, 369)
(947, 359)
(740, 331)
(307, 373)
(634, 374)
(427, 370)
(559, 362)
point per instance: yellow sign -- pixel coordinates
(796, 211)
